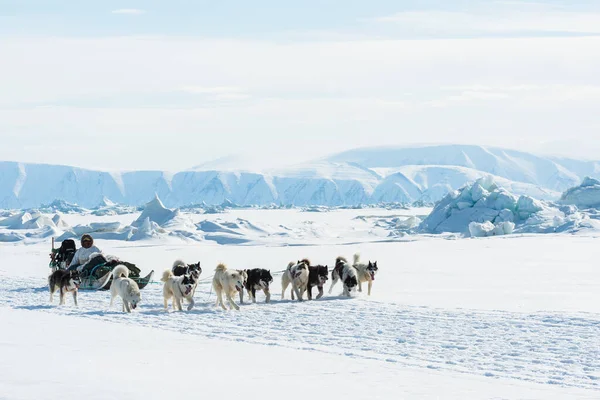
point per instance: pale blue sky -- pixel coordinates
(170, 84)
(259, 18)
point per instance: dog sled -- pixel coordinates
(96, 274)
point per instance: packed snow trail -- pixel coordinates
(549, 348)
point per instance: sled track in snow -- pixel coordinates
(548, 348)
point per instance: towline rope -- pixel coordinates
(212, 276)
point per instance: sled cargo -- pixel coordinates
(96, 274)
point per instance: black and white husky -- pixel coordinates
(65, 281)
(346, 273)
(296, 274)
(258, 279)
(193, 270)
(317, 276)
(178, 288)
(366, 272)
(180, 268)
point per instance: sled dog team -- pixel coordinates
(180, 282)
(68, 281)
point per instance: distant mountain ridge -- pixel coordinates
(552, 173)
(361, 176)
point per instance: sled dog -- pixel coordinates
(124, 287)
(317, 276)
(65, 281)
(227, 282)
(366, 272)
(258, 279)
(181, 268)
(296, 274)
(178, 288)
(193, 270)
(346, 273)
(244, 276)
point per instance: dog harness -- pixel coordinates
(180, 292)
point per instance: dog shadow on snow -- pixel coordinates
(29, 290)
(152, 309)
(157, 309)
(35, 308)
(322, 299)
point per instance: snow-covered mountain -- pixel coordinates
(361, 176)
(557, 174)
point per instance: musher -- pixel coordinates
(82, 255)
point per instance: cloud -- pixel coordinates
(219, 90)
(224, 96)
(218, 93)
(384, 69)
(232, 96)
(128, 11)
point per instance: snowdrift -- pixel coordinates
(25, 225)
(156, 221)
(156, 218)
(107, 207)
(107, 231)
(16, 221)
(26, 220)
(486, 209)
(586, 195)
(148, 230)
(11, 237)
(62, 206)
(156, 212)
(236, 232)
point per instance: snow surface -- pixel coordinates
(440, 323)
(153, 354)
(363, 176)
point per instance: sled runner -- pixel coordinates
(96, 274)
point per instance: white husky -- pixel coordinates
(228, 281)
(125, 287)
(297, 275)
(178, 288)
(366, 272)
(244, 275)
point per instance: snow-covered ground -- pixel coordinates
(124, 361)
(236, 226)
(506, 317)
